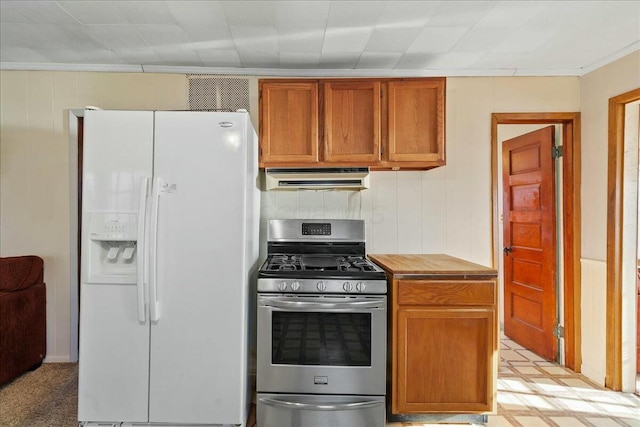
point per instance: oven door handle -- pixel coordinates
(305, 305)
(320, 407)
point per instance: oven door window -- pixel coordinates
(321, 338)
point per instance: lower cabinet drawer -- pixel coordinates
(446, 292)
(297, 410)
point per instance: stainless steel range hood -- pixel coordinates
(317, 178)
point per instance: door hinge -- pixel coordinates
(556, 151)
(558, 331)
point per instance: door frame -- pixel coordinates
(571, 216)
(74, 234)
(615, 186)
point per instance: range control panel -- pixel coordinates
(316, 229)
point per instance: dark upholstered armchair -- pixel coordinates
(23, 336)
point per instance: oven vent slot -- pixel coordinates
(317, 178)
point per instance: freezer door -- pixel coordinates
(114, 343)
(198, 340)
(114, 356)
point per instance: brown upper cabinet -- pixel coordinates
(380, 123)
(288, 122)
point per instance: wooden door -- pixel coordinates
(416, 121)
(444, 360)
(288, 123)
(352, 122)
(529, 222)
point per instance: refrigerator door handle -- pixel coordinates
(154, 305)
(141, 249)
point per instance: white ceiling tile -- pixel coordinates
(219, 57)
(512, 13)
(526, 36)
(47, 36)
(346, 39)
(414, 61)
(392, 39)
(482, 38)
(208, 13)
(145, 12)
(10, 15)
(178, 57)
(339, 60)
(456, 60)
(116, 36)
(377, 60)
(437, 39)
(354, 13)
(69, 36)
(305, 14)
(400, 14)
(460, 13)
(579, 45)
(210, 38)
(250, 13)
(259, 59)
(93, 12)
(301, 40)
(218, 35)
(163, 35)
(137, 55)
(20, 35)
(615, 12)
(299, 60)
(61, 55)
(20, 54)
(258, 39)
(102, 56)
(503, 61)
(41, 12)
(525, 39)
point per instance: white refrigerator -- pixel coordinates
(170, 219)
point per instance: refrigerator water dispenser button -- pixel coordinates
(128, 253)
(113, 253)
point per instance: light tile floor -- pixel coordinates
(533, 392)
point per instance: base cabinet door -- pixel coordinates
(445, 359)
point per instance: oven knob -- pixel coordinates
(360, 287)
(282, 286)
(347, 286)
(321, 286)
(295, 286)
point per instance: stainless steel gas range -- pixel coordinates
(322, 327)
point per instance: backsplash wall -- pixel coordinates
(404, 212)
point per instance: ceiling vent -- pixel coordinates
(317, 178)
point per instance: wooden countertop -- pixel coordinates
(430, 266)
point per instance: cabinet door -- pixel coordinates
(288, 123)
(445, 360)
(416, 121)
(352, 122)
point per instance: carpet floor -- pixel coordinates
(531, 393)
(47, 396)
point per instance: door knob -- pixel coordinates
(507, 249)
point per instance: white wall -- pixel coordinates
(34, 167)
(446, 210)
(596, 88)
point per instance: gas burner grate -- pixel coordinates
(283, 262)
